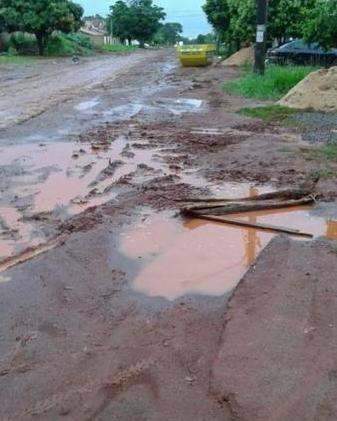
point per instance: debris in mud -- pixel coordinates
(98, 146)
(207, 208)
(255, 225)
(79, 201)
(30, 253)
(110, 170)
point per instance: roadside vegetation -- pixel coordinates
(118, 48)
(269, 113)
(68, 45)
(16, 60)
(139, 20)
(142, 20)
(327, 152)
(22, 48)
(276, 82)
(40, 18)
(234, 22)
(59, 44)
(52, 28)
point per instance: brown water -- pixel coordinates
(45, 178)
(200, 257)
(61, 177)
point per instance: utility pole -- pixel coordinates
(260, 46)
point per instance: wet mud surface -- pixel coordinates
(288, 352)
(112, 305)
(30, 90)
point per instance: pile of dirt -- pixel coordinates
(241, 57)
(318, 91)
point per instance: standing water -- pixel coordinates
(206, 258)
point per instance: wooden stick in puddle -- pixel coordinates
(282, 195)
(256, 225)
(246, 206)
(31, 253)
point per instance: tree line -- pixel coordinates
(129, 20)
(40, 17)
(141, 20)
(313, 20)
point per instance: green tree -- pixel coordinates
(41, 17)
(321, 24)
(135, 19)
(121, 21)
(218, 15)
(168, 34)
(147, 17)
(243, 23)
(205, 39)
(233, 21)
(286, 18)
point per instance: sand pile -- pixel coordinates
(241, 57)
(318, 91)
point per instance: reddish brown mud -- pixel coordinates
(118, 310)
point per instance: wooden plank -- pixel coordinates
(289, 194)
(256, 225)
(241, 207)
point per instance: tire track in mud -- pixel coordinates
(27, 101)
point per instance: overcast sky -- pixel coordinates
(187, 12)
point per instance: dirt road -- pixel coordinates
(30, 90)
(115, 308)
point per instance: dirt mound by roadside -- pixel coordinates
(241, 57)
(278, 319)
(318, 91)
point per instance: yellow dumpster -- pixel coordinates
(196, 55)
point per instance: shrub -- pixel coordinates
(24, 44)
(68, 45)
(80, 39)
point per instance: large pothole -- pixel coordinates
(178, 257)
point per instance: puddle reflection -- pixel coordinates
(206, 258)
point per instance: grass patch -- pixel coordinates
(118, 48)
(323, 174)
(329, 151)
(326, 152)
(17, 60)
(276, 82)
(269, 113)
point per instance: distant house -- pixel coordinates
(95, 23)
(95, 28)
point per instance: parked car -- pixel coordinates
(299, 52)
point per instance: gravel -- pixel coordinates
(318, 127)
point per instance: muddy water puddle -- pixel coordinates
(44, 178)
(180, 106)
(61, 179)
(143, 104)
(205, 258)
